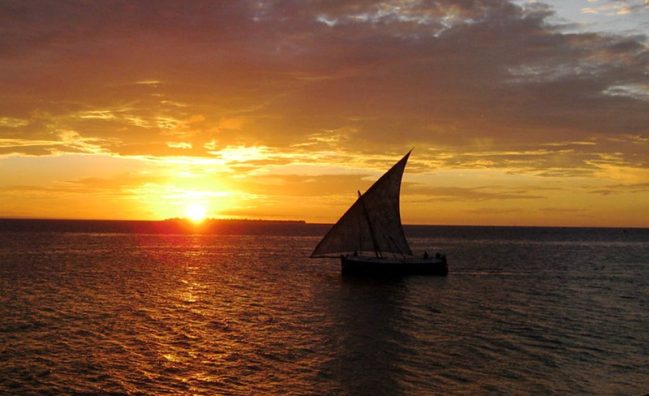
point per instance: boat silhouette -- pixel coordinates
(369, 237)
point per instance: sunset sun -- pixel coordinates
(195, 213)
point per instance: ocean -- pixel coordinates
(522, 311)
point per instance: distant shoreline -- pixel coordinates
(270, 227)
(169, 226)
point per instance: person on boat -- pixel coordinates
(425, 254)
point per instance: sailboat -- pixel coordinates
(369, 237)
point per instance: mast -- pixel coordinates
(377, 251)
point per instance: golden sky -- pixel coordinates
(520, 113)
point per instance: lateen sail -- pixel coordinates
(372, 223)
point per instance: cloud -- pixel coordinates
(473, 85)
(622, 189)
(9, 122)
(612, 8)
(496, 211)
(118, 185)
(67, 141)
(485, 193)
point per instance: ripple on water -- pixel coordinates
(146, 314)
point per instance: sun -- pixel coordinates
(195, 213)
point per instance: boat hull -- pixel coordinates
(374, 266)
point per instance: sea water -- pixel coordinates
(523, 310)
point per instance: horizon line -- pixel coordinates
(304, 222)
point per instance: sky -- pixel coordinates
(519, 112)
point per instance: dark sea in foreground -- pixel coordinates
(523, 311)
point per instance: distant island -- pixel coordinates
(169, 226)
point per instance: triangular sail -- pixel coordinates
(372, 223)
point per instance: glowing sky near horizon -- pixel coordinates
(522, 112)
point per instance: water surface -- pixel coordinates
(522, 311)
